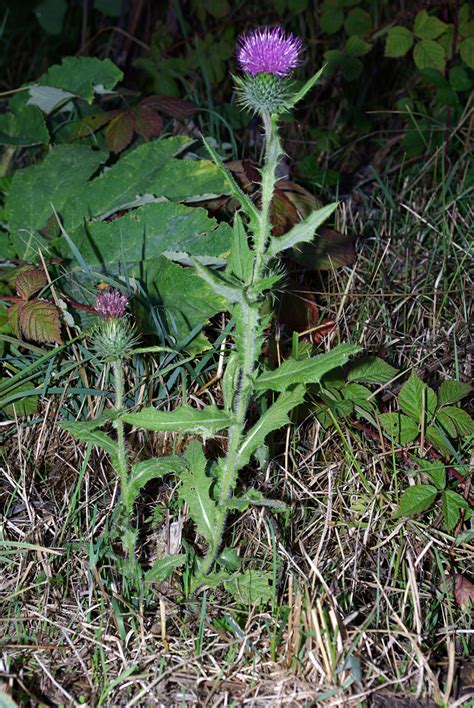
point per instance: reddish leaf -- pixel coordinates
(39, 321)
(119, 132)
(303, 201)
(89, 124)
(330, 249)
(283, 214)
(30, 282)
(463, 591)
(13, 321)
(245, 173)
(170, 106)
(298, 312)
(148, 123)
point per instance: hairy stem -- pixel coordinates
(249, 315)
(119, 426)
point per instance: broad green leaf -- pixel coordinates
(461, 419)
(86, 432)
(195, 490)
(402, 428)
(466, 49)
(163, 568)
(429, 54)
(452, 503)
(427, 26)
(190, 181)
(136, 174)
(417, 399)
(357, 47)
(50, 14)
(435, 470)
(273, 419)
(372, 369)
(415, 500)
(452, 392)
(399, 42)
(305, 371)
(24, 128)
(302, 232)
(147, 232)
(165, 284)
(358, 22)
(82, 76)
(240, 260)
(183, 419)
(436, 436)
(144, 472)
(35, 188)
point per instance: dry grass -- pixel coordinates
(363, 611)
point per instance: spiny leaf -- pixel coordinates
(144, 472)
(86, 433)
(306, 370)
(273, 419)
(240, 260)
(184, 419)
(302, 232)
(217, 283)
(164, 567)
(195, 489)
(39, 321)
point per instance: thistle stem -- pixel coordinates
(122, 462)
(249, 314)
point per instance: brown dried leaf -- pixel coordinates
(119, 132)
(39, 321)
(463, 591)
(30, 282)
(245, 173)
(283, 214)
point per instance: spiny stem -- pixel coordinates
(119, 426)
(250, 317)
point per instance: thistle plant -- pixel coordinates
(267, 58)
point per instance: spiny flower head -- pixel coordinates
(269, 51)
(111, 304)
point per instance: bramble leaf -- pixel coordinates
(416, 398)
(415, 500)
(39, 321)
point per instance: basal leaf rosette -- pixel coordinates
(268, 57)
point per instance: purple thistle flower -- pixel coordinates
(269, 51)
(111, 304)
